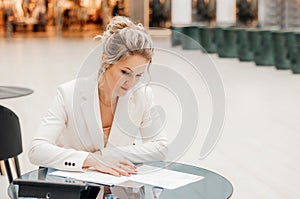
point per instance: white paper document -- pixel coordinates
(91, 176)
(164, 178)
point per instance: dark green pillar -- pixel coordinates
(264, 55)
(243, 47)
(191, 38)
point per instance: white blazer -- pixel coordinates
(72, 128)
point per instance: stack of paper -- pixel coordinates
(91, 176)
(164, 178)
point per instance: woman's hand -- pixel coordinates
(109, 165)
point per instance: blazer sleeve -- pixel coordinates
(44, 151)
(154, 146)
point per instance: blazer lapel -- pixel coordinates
(124, 127)
(91, 115)
(126, 121)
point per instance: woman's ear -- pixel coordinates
(103, 58)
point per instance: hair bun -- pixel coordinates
(117, 23)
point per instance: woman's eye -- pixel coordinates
(139, 75)
(125, 72)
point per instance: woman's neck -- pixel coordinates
(105, 93)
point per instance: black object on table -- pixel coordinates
(13, 91)
(39, 183)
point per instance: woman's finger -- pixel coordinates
(127, 168)
(112, 167)
(121, 171)
(109, 171)
(127, 163)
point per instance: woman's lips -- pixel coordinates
(125, 89)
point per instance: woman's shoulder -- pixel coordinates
(79, 84)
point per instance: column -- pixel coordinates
(270, 12)
(226, 12)
(146, 13)
(137, 11)
(262, 12)
(181, 12)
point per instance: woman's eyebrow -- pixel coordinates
(129, 69)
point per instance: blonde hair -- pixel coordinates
(123, 38)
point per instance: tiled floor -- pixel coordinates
(259, 148)
(3, 187)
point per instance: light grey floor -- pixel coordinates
(259, 148)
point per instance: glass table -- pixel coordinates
(39, 183)
(13, 91)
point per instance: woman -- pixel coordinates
(96, 122)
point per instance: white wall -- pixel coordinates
(226, 11)
(261, 11)
(181, 11)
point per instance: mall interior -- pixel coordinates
(239, 59)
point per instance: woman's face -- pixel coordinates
(123, 75)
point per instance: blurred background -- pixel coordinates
(56, 17)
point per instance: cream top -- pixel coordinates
(106, 132)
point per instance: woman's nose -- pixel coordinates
(130, 81)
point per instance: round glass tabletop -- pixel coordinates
(13, 91)
(213, 186)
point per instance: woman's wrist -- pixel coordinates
(87, 162)
(90, 159)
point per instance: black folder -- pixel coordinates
(45, 186)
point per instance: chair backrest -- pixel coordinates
(10, 134)
(10, 138)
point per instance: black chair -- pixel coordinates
(10, 140)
